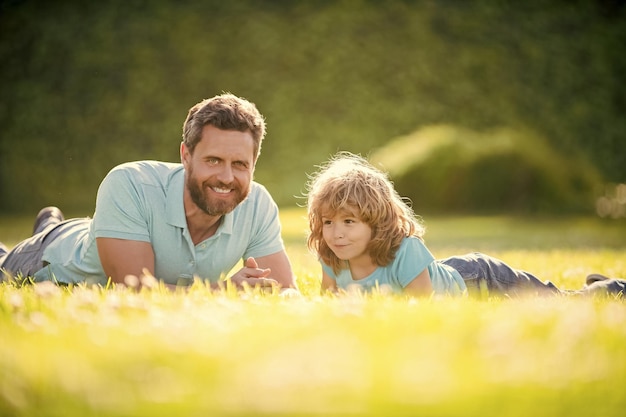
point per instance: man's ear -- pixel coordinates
(184, 154)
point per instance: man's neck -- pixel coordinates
(202, 226)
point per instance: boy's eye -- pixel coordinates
(326, 222)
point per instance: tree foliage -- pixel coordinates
(86, 85)
(446, 169)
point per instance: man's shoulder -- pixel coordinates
(256, 187)
(148, 166)
(258, 204)
(146, 171)
(259, 197)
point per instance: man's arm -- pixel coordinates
(280, 268)
(120, 257)
(265, 271)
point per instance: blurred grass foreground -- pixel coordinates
(117, 352)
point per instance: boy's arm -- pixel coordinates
(328, 284)
(421, 286)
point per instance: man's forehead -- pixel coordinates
(226, 142)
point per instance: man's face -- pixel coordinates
(219, 171)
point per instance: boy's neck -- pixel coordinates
(360, 270)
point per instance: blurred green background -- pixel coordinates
(86, 85)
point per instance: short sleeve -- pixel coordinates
(411, 260)
(266, 238)
(121, 206)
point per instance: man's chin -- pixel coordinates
(220, 208)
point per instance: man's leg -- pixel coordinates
(3, 253)
(47, 216)
(25, 258)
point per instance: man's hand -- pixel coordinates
(253, 276)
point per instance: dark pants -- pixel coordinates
(26, 257)
(485, 276)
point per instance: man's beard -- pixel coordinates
(214, 206)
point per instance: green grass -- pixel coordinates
(89, 352)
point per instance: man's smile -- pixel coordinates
(221, 190)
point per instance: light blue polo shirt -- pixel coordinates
(143, 201)
(411, 259)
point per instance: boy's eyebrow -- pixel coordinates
(341, 212)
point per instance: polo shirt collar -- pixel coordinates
(175, 209)
(226, 226)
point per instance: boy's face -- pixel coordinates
(347, 236)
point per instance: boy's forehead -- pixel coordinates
(345, 210)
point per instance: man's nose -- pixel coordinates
(226, 174)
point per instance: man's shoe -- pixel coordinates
(47, 216)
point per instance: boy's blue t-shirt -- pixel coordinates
(143, 201)
(411, 259)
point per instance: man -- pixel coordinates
(172, 221)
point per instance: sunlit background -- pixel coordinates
(512, 109)
(474, 107)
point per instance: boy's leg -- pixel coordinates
(478, 270)
(598, 284)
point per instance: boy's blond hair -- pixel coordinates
(349, 183)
